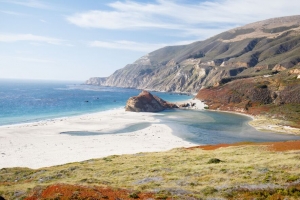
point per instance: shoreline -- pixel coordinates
(265, 124)
(82, 137)
(45, 143)
(199, 105)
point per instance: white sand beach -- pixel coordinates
(41, 144)
(198, 104)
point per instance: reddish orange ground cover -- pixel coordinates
(272, 146)
(65, 192)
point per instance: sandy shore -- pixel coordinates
(47, 143)
(41, 144)
(259, 122)
(263, 123)
(198, 104)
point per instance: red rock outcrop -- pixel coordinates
(146, 102)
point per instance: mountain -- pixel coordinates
(255, 49)
(96, 81)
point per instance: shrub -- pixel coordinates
(214, 160)
(209, 190)
(134, 195)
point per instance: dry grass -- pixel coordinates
(177, 173)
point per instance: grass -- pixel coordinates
(175, 173)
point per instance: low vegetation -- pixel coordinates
(275, 96)
(241, 171)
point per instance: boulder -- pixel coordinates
(146, 102)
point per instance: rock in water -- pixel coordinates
(146, 102)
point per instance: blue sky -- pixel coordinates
(78, 39)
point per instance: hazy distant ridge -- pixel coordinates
(272, 44)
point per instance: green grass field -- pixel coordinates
(180, 173)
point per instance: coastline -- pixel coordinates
(199, 105)
(95, 135)
(263, 123)
(52, 142)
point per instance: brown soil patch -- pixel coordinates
(65, 192)
(273, 146)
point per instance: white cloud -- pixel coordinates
(115, 20)
(126, 45)
(8, 12)
(133, 46)
(30, 38)
(28, 3)
(190, 19)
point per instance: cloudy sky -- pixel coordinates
(78, 39)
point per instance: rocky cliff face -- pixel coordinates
(251, 50)
(146, 102)
(96, 81)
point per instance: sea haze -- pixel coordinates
(27, 101)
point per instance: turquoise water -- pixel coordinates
(209, 127)
(27, 101)
(202, 127)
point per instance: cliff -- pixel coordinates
(255, 49)
(274, 96)
(96, 81)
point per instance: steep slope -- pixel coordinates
(276, 96)
(272, 44)
(96, 81)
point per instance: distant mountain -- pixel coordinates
(255, 49)
(96, 81)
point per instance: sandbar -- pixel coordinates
(115, 132)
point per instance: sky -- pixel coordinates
(79, 39)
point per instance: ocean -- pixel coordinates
(23, 101)
(29, 101)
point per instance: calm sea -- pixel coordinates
(28, 101)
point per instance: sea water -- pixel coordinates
(29, 101)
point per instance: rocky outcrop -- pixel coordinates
(146, 102)
(96, 81)
(295, 71)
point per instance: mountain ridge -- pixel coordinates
(266, 45)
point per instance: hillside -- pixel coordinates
(96, 81)
(238, 171)
(273, 96)
(268, 45)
